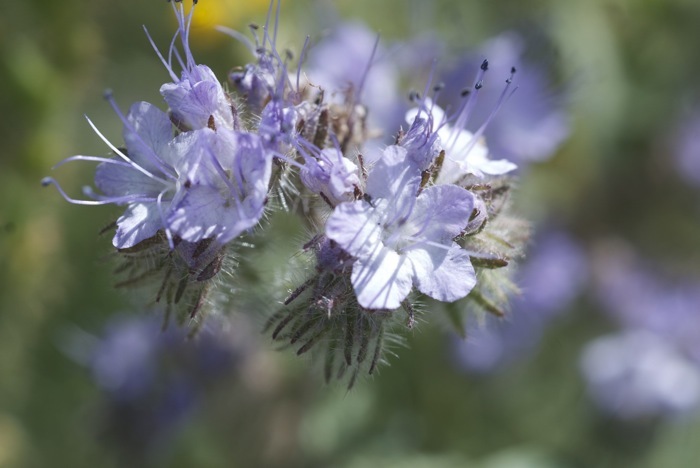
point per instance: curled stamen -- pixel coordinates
(46, 181)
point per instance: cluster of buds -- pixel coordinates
(424, 219)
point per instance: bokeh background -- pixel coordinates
(596, 365)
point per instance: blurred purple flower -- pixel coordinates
(687, 150)
(639, 298)
(652, 366)
(153, 379)
(636, 374)
(347, 59)
(551, 278)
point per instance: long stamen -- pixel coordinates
(92, 159)
(122, 155)
(301, 60)
(167, 65)
(133, 198)
(361, 86)
(172, 48)
(501, 100)
(467, 108)
(237, 36)
(284, 76)
(167, 171)
(277, 22)
(186, 40)
(267, 22)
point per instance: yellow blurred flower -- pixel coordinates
(229, 13)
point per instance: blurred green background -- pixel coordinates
(630, 68)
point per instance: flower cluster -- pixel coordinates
(424, 220)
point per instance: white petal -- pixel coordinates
(382, 280)
(445, 275)
(353, 225)
(441, 213)
(393, 177)
(139, 222)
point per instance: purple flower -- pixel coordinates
(278, 124)
(465, 152)
(350, 58)
(400, 238)
(639, 298)
(639, 374)
(332, 174)
(153, 379)
(144, 177)
(256, 83)
(151, 175)
(227, 175)
(196, 98)
(421, 141)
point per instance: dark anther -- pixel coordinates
(254, 26)
(513, 69)
(509, 80)
(479, 85)
(485, 65)
(413, 96)
(438, 87)
(464, 93)
(289, 54)
(107, 93)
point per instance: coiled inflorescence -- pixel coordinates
(423, 219)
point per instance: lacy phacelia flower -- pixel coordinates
(196, 99)
(400, 238)
(197, 178)
(227, 175)
(332, 175)
(152, 174)
(143, 176)
(465, 152)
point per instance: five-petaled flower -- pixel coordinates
(401, 238)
